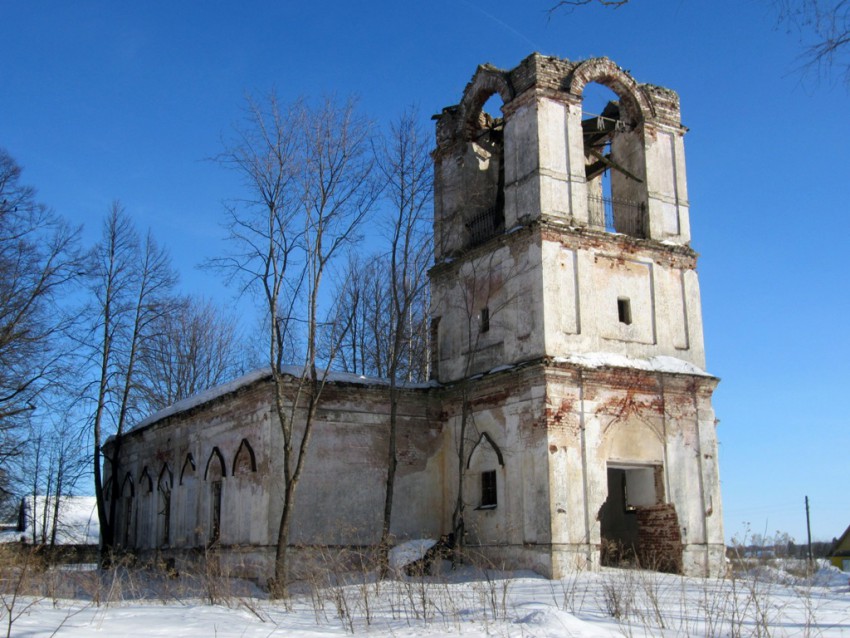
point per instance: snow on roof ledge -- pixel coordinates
(203, 397)
(654, 364)
(254, 376)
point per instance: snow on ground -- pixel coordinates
(471, 603)
(78, 524)
(409, 551)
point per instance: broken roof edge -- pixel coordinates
(216, 392)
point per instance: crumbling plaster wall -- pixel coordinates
(555, 294)
(585, 276)
(507, 406)
(340, 498)
(620, 417)
(341, 493)
(506, 279)
(244, 499)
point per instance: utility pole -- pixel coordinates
(809, 531)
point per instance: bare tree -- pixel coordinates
(56, 460)
(309, 175)
(368, 348)
(189, 350)
(405, 162)
(364, 293)
(39, 264)
(131, 284)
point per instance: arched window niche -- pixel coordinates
(614, 148)
(244, 462)
(145, 481)
(485, 474)
(187, 473)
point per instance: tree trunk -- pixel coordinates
(392, 464)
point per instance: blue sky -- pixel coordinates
(106, 100)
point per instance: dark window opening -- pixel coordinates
(165, 512)
(434, 348)
(215, 512)
(624, 310)
(485, 319)
(488, 490)
(127, 514)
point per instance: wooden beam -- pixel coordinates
(611, 163)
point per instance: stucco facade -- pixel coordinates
(569, 399)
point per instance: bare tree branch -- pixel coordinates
(188, 351)
(569, 5)
(823, 27)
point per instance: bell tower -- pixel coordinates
(584, 218)
(564, 282)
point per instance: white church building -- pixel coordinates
(567, 353)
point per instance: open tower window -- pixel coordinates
(484, 166)
(614, 164)
(485, 319)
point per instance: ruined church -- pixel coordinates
(567, 356)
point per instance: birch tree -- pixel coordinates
(308, 178)
(131, 285)
(405, 164)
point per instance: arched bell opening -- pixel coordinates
(613, 114)
(483, 164)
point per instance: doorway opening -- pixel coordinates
(631, 489)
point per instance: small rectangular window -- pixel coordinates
(624, 310)
(485, 319)
(488, 490)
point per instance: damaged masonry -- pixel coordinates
(567, 358)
